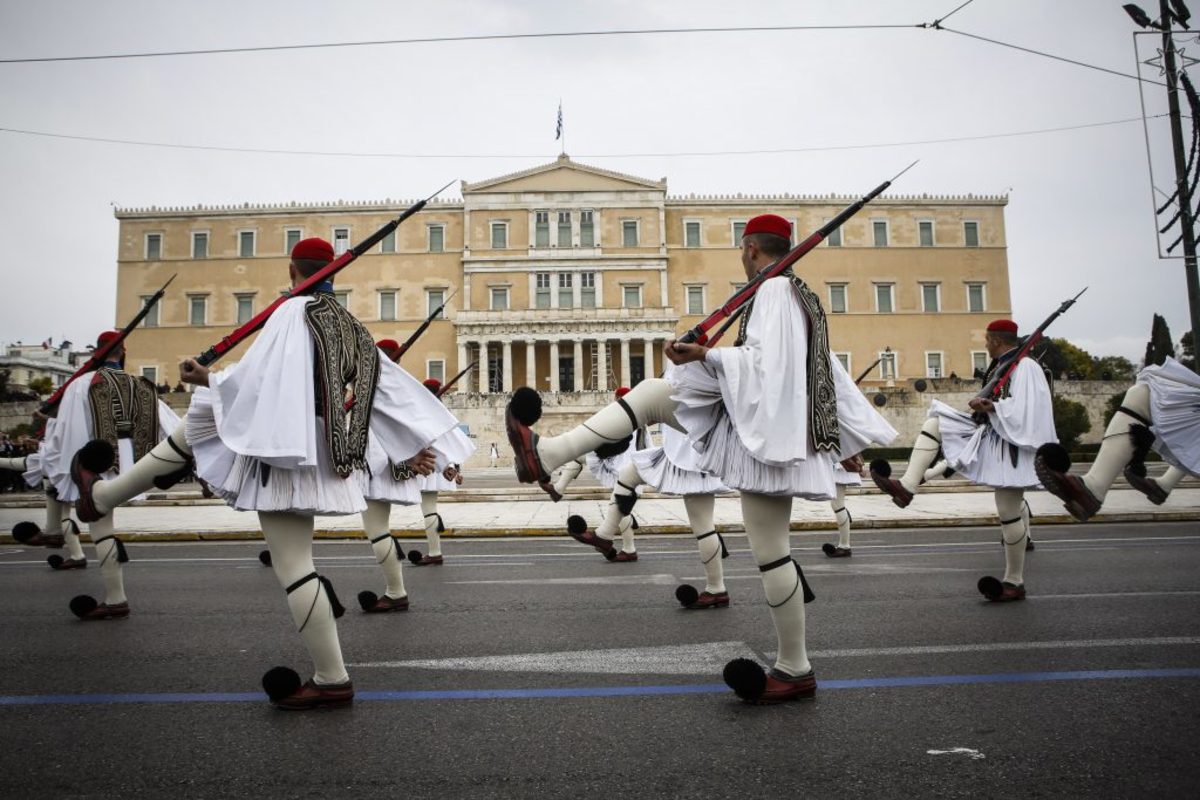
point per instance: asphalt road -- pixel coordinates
(534, 667)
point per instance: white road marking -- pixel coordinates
(583, 580)
(992, 647)
(975, 755)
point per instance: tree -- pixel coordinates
(1187, 351)
(1064, 359)
(1159, 346)
(1113, 368)
(1070, 421)
(43, 386)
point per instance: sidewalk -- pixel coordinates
(528, 514)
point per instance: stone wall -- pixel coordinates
(13, 414)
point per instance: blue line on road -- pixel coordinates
(607, 691)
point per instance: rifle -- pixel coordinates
(445, 388)
(995, 386)
(325, 273)
(417, 333)
(867, 371)
(744, 295)
(716, 337)
(100, 353)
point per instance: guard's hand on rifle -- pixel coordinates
(190, 371)
(424, 462)
(681, 353)
(450, 473)
(853, 464)
(981, 404)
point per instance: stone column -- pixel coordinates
(601, 365)
(507, 377)
(554, 366)
(578, 367)
(625, 361)
(648, 351)
(531, 364)
(483, 367)
(464, 384)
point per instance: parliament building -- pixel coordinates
(569, 278)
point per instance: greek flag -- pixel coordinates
(558, 130)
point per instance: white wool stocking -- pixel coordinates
(290, 539)
(567, 475)
(15, 464)
(1117, 448)
(650, 401)
(843, 516)
(626, 531)
(699, 508)
(767, 520)
(429, 509)
(58, 518)
(168, 456)
(937, 470)
(1014, 526)
(1168, 480)
(924, 452)
(111, 570)
(379, 532)
(628, 481)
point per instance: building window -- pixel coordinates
(387, 306)
(150, 374)
(434, 298)
(153, 246)
(976, 297)
(541, 229)
(933, 365)
(341, 240)
(437, 238)
(695, 299)
(199, 244)
(587, 289)
(979, 363)
(834, 239)
(629, 232)
(883, 298)
(931, 297)
(564, 229)
(587, 229)
(880, 229)
(246, 244)
(632, 296)
(691, 233)
(738, 231)
(245, 308)
(388, 245)
(844, 358)
(499, 298)
(541, 294)
(971, 234)
(197, 309)
(435, 369)
(342, 299)
(837, 298)
(566, 290)
(499, 235)
(291, 238)
(151, 319)
(925, 233)
(887, 365)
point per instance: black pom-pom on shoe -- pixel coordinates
(414, 556)
(54, 561)
(990, 587)
(828, 549)
(83, 604)
(576, 524)
(747, 679)
(526, 405)
(280, 682)
(881, 467)
(1055, 456)
(24, 531)
(686, 594)
(264, 556)
(367, 599)
(97, 456)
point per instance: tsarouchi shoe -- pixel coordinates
(709, 600)
(881, 473)
(105, 611)
(998, 591)
(835, 551)
(624, 556)
(312, 696)
(429, 561)
(387, 604)
(60, 563)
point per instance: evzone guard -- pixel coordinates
(1161, 411)
(729, 402)
(447, 479)
(59, 529)
(993, 446)
(274, 434)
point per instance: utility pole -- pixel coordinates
(1181, 178)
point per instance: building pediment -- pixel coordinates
(563, 175)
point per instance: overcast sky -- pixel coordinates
(1080, 210)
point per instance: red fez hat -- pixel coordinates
(432, 384)
(621, 392)
(313, 249)
(769, 223)
(107, 337)
(1002, 326)
(388, 344)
